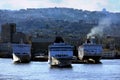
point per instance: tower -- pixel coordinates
(7, 31)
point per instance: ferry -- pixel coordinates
(90, 51)
(60, 53)
(21, 53)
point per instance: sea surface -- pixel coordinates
(108, 70)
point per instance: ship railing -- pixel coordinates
(65, 58)
(94, 54)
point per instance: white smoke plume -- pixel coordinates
(99, 30)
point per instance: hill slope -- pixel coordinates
(52, 20)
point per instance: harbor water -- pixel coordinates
(108, 70)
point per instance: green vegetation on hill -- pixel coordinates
(68, 22)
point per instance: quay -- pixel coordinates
(40, 58)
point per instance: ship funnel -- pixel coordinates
(59, 39)
(91, 40)
(88, 41)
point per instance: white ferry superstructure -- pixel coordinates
(21, 52)
(90, 51)
(60, 54)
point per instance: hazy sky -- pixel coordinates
(110, 5)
